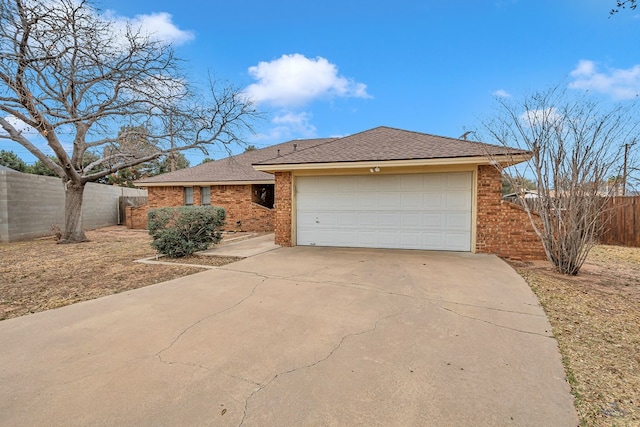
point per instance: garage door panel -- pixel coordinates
(366, 200)
(347, 219)
(366, 184)
(416, 211)
(318, 237)
(346, 237)
(411, 182)
(457, 180)
(457, 241)
(411, 220)
(367, 239)
(410, 240)
(327, 201)
(434, 241)
(389, 239)
(367, 220)
(433, 220)
(458, 221)
(411, 201)
(390, 183)
(434, 182)
(433, 201)
(346, 201)
(457, 200)
(307, 202)
(389, 201)
(388, 219)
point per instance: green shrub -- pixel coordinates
(181, 231)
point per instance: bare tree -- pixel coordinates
(577, 145)
(623, 4)
(74, 78)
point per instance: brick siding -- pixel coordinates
(136, 217)
(242, 213)
(503, 228)
(283, 208)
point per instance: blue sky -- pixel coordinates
(321, 69)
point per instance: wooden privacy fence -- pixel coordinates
(621, 220)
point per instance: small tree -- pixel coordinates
(577, 144)
(74, 78)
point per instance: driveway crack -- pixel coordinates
(319, 361)
(383, 291)
(209, 316)
(495, 324)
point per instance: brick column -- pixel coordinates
(283, 208)
(503, 228)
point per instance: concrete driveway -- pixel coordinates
(296, 337)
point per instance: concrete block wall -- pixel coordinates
(31, 204)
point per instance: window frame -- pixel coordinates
(188, 194)
(205, 201)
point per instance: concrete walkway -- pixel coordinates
(296, 337)
(244, 248)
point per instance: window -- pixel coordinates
(205, 192)
(188, 196)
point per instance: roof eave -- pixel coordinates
(200, 183)
(502, 159)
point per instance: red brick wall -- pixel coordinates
(235, 199)
(503, 228)
(162, 197)
(136, 217)
(283, 208)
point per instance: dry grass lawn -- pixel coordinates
(596, 320)
(39, 275)
(595, 315)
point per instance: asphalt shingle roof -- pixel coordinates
(234, 168)
(384, 143)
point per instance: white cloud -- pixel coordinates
(501, 93)
(294, 80)
(618, 83)
(545, 117)
(19, 125)
(289, 125)
(158, 26)
(299, 123)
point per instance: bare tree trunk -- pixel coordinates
(73, 232)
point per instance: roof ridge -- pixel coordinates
(328, 140)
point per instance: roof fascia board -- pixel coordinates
(506, 160)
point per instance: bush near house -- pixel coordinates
(181, 231)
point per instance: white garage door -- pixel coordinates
(415, 211)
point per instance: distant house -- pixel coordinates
(232, 183)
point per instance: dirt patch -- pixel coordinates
(39, 275)
(596, 320)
